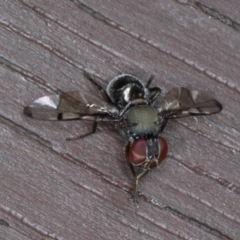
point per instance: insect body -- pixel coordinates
(135, 109)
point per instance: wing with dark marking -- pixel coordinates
(71, 105)
(181, 102)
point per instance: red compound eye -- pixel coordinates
(136, 152)
(163, 149)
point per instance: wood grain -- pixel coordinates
(53, 189)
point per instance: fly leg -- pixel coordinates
(149, 81)
(94, 128)
(138, 175)
(103, 92)
(136, 179)
(155, 91)
(95, 120)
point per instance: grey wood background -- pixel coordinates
(53, 189)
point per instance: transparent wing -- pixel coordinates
(181, 102)
(70, 105)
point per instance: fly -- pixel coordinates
(136, 110)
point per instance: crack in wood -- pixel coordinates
(217, 15)
(155, 45)
(4, 223)
(121, 28)
(168, 209)
(221, 181)
(198, 224)
(35, 227)
(76, 32)
(51, 49)
(34, 79)
(18, 128)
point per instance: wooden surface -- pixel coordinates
(53, 189)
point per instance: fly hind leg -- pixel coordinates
(155, 91)
(94, 128)
(103, 92)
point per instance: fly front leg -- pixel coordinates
(144, 169)
(140, 171)
(136, 179)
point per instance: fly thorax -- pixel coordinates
(141, 121)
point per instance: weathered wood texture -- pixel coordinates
(53, 189)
